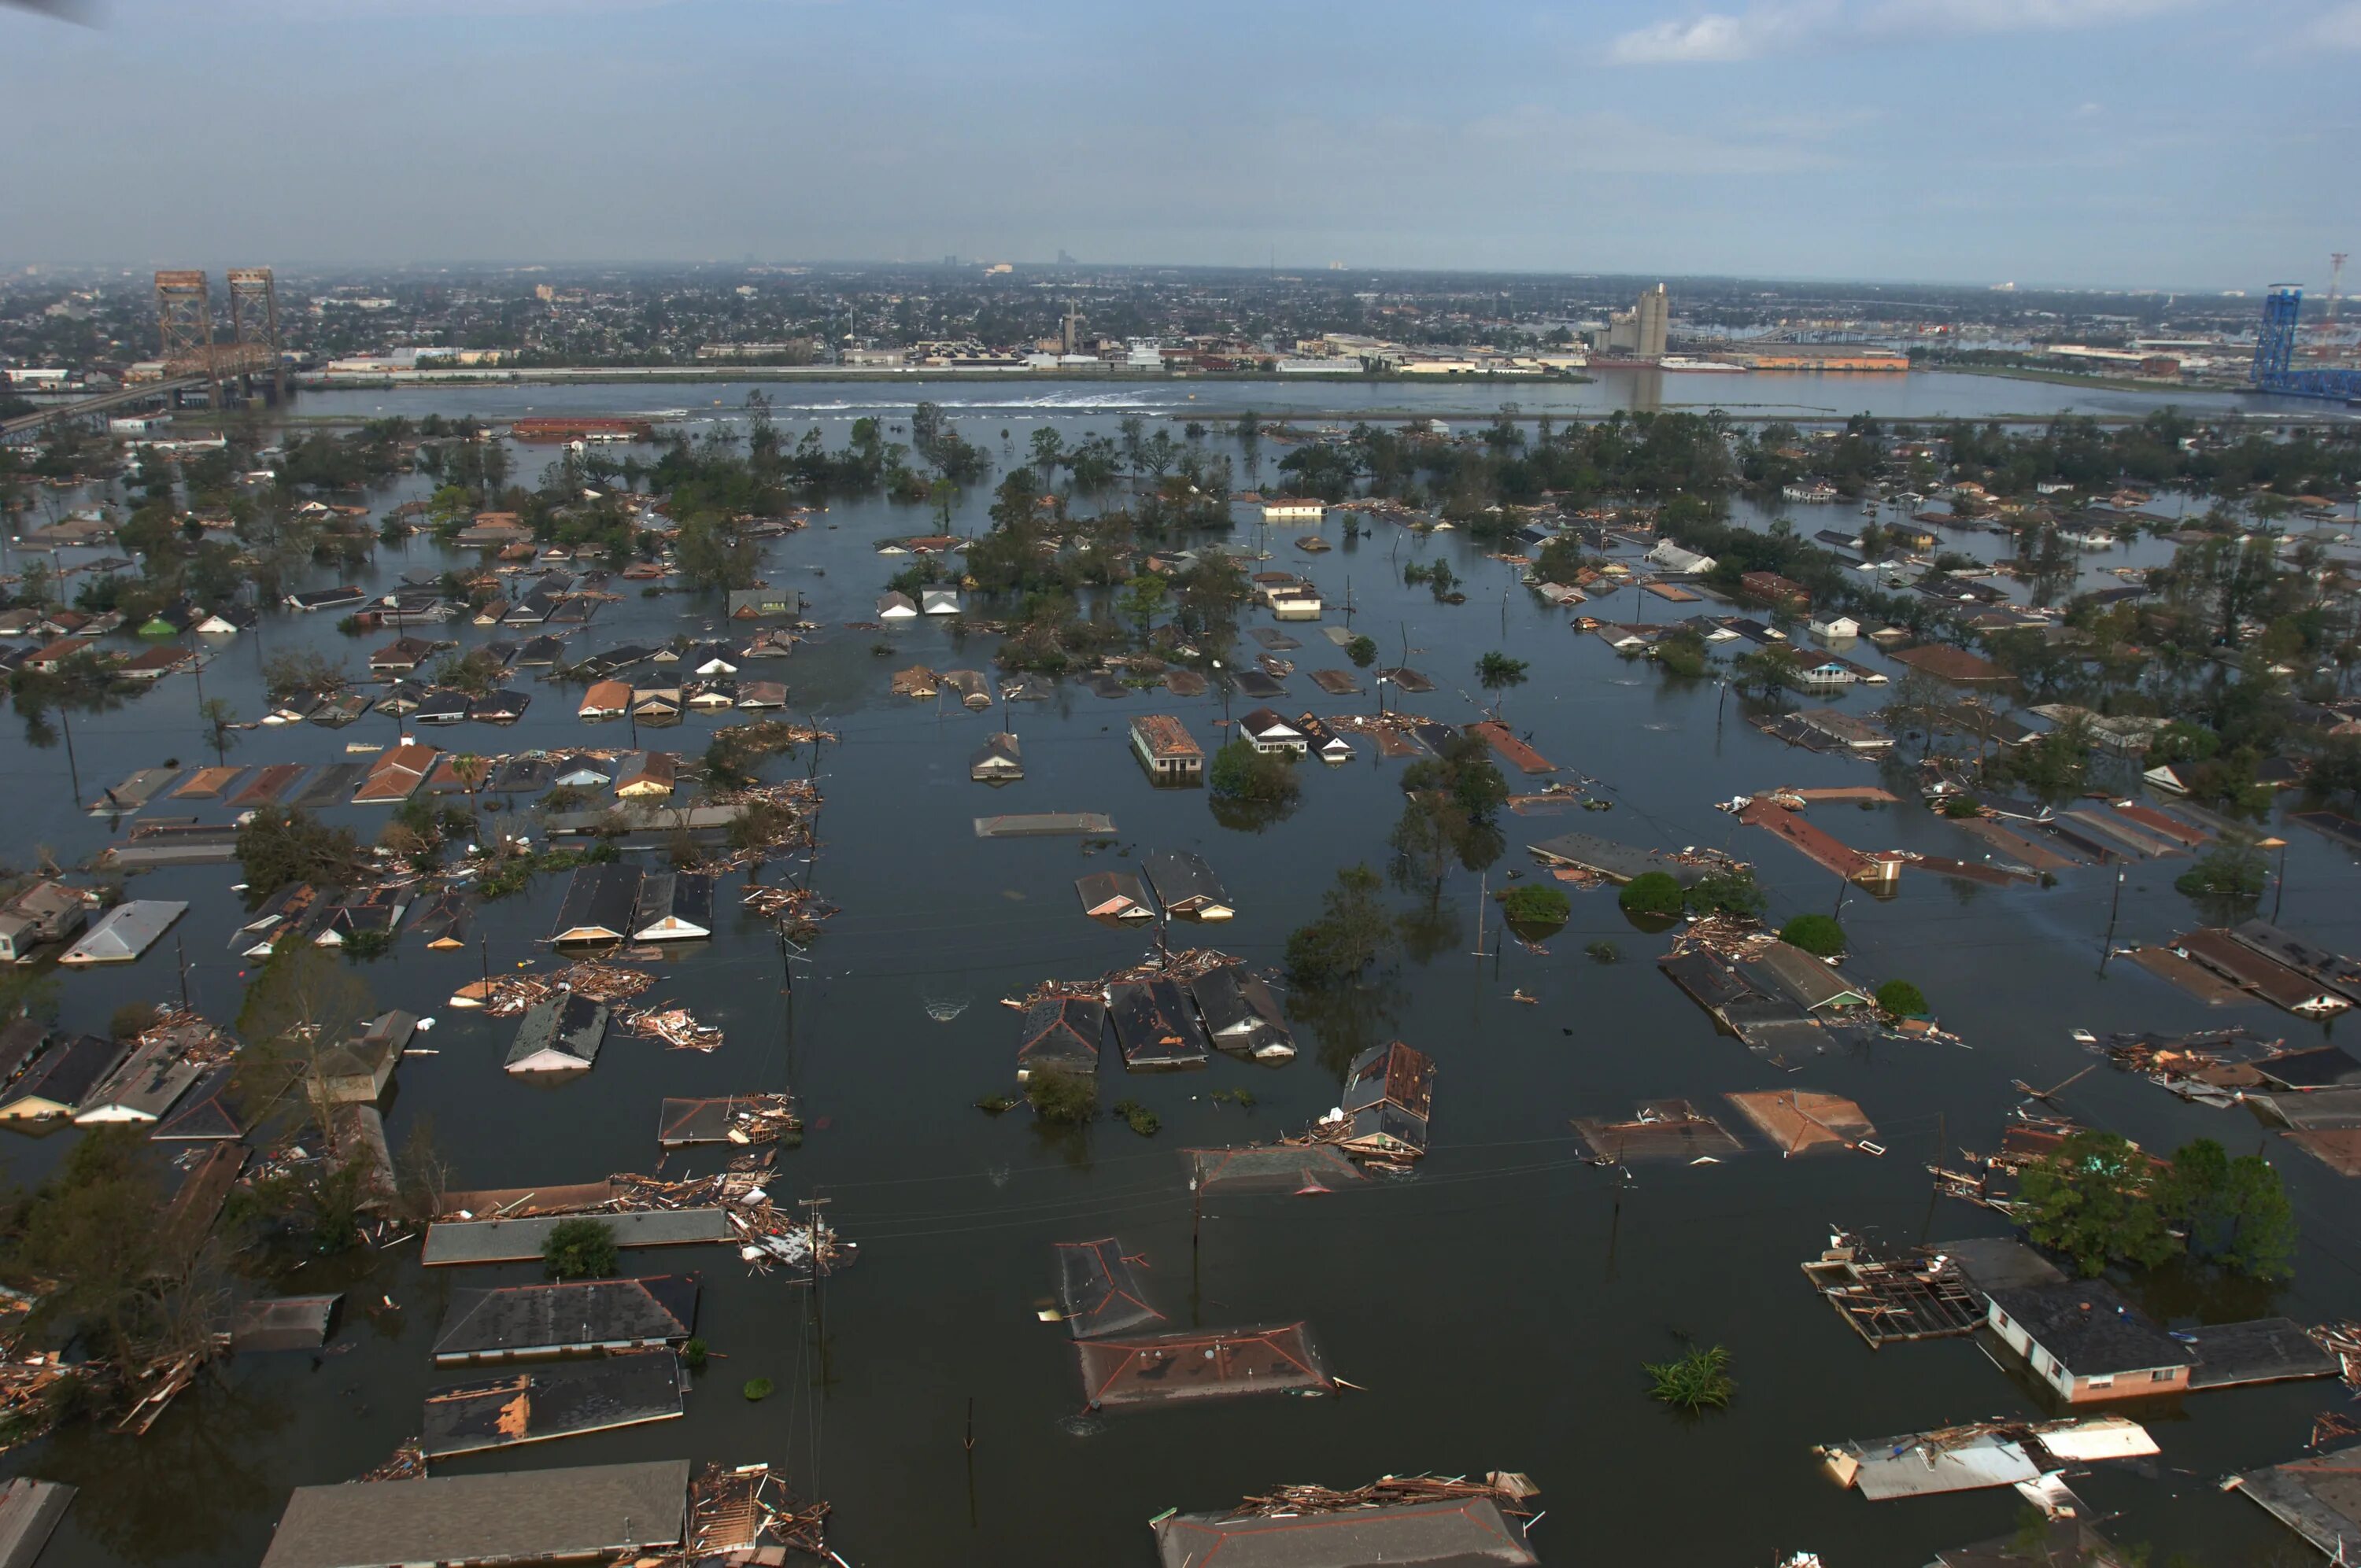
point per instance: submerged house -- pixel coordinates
(674, 907)
(45, 912)
(1186, 885)
(599, 904)
(588, 1317)
(1063, 1033)
(357, 1072)
(1114, 895)
(1241, 1014)
(1155, 1025)
(2089, 1344)
(609, 1513)
(124, 932)
(59, 1082)
(1269, 734)
(562, 1034)
(1388, 1101)
(1000, 760)
(1167, 750)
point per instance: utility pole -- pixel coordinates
(484, 952)
(2279, 893)
(811, 1208)
(181, 952)
(2113, 908)
(1484, 892)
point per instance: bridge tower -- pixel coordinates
(2337, 259)
(254, 323)
(184, 328)
(2275, 340)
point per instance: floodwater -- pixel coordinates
(1494, 1309)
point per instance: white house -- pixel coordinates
(1836, 626)
(939, 601)
(1670, 557)
(1294, 508)
(1267, 731)
(896, 607)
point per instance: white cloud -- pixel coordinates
(2337, 27)
(1717, 37)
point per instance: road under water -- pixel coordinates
(1495, 1307)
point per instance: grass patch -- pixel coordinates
(1698, 1381)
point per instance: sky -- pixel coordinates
(2111, 143)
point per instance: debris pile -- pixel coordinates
(747, 1509)
(608, 984)
(675, 1026)
(407, 1462)
(796, 905)
(1508, 1489)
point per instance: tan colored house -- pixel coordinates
(645, 775)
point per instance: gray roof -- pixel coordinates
(29, 1512)
(1617, 863)
(563, 1399)
(518, 1241)
(282, 1322)
(1182, 877)
(522, 1320)
(2318, 1497)
(1460, 1534)
(124, 932)
(1805, 978)
(599, 898)
(66, 1073)
(593, 1511)
(2089, 1327)
(570, 1027)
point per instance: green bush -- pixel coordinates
(1819, 934)
(1062, 1097)
(1604, 952)
(1901, 999)
(1138, 1117)
(1960, 808)
(579, 1249)
(1728, 893)
(1698, 1381)
(1533, 905)
(1652, 893)
(759, 1388)
(693, 1355)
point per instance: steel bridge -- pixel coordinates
(2275, 354)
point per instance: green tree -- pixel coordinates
(1734, 893)
(1652, 894)
(1819, 934)
(1495, 673)
(278, 846)
(580, 1248)
(1142, 598)
(1352, 932)
(1534, 906)
(221, 725)
(2093, 1199)
(1062, 1097)
(2233, 1211)
(1241, 772)
(1362, 651)
(1901, 999)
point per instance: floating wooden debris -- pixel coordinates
(743, 1119)
(602, 982)
(675, 1026)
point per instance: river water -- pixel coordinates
(1495, 1308)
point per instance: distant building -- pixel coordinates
(1639, 332)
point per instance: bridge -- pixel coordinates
(25, 427)
(2275, 351)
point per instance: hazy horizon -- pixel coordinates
(2072, 144)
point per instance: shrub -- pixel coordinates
(759, 1388)
(1901, 999)
(1652, 893)
(579, 1249)
(1728, 893)
(1960, 808)
(693, 1353)
(1819, 934)
(1138, 1117)
(998, 1105)
(1530, 904)
(1604, 952)
(1062, 1097)
(1698, 1381)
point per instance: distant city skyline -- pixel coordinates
(2167, 144)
